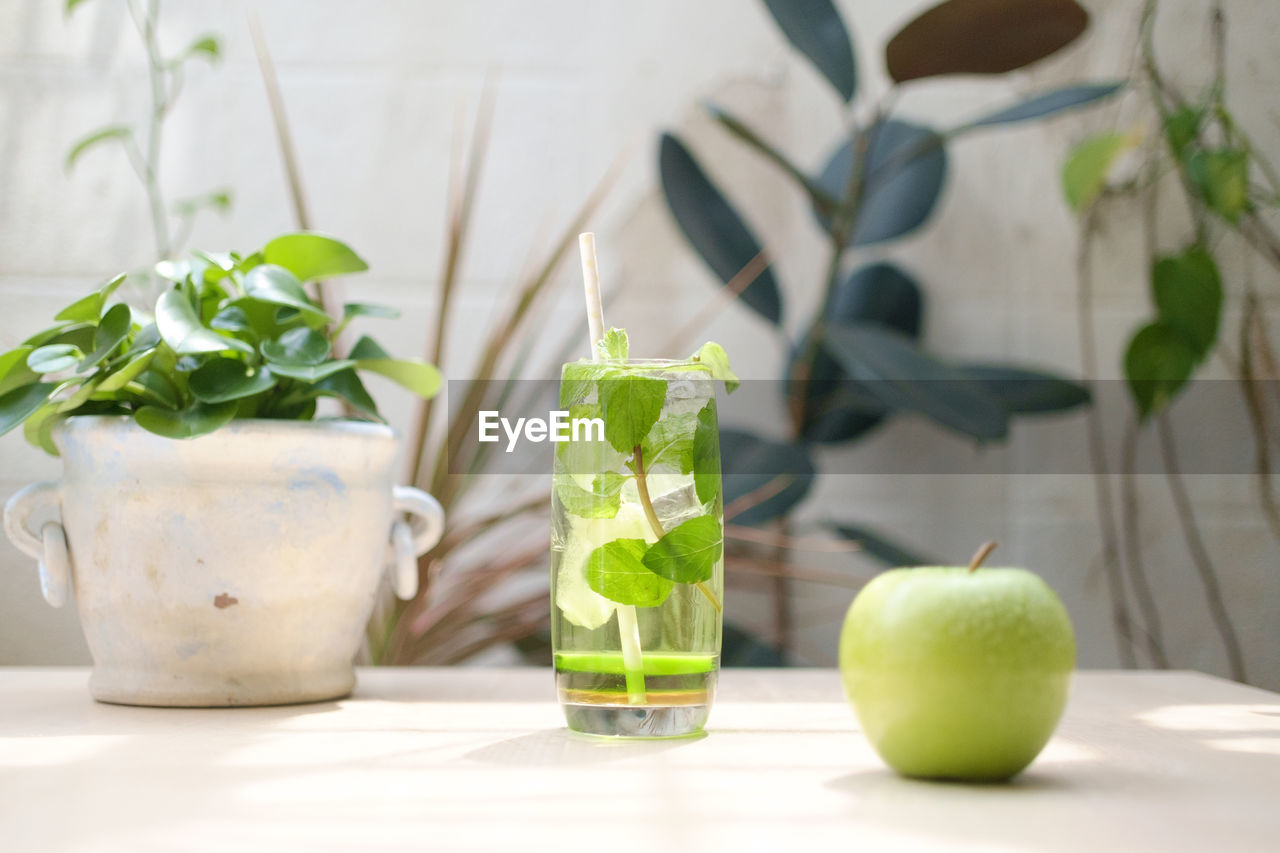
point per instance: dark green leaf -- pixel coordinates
(222, 379)
(888, 552)
(297, 348)
(367, 348)
(716, 232)
(155, 386)
(903, 377)
(706, 454)
(53, 358)
(276, 285)
(311, 256)
(905, 167)
(631, 407)
(1158, 362)
(1027, 391)
(816, 29)
(689, 552)
(1182, 127)
(1049, 103)
(1222, 178)
(17, 405)
(755, 467)
(616, 571)
(346, 385)
(1188, 296)
(93, 138)
(198, 419)
(1085, 173)
(113, 329)
(982, 37)
(181, 329)
(127, 373)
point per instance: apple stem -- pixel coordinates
(982, 554)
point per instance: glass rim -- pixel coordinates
(646, 362)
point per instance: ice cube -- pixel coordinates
(676, 505)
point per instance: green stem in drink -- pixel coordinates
(642, 486)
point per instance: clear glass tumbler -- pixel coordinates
(637, 548)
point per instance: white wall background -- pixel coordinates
(374, 90)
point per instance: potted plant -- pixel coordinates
(224, 543)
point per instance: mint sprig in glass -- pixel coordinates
(637, 544)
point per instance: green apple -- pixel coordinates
(957, 673)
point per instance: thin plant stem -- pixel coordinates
(1196, 547)
(1152, 633)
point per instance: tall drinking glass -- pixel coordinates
(637, 554)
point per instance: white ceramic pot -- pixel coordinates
(237, 568)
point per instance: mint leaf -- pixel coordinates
(614, 345)
(689, 553)
(587, 456)
(670, 442)
(579, 379)
(717, 360)
(602, 501)
(706, 454)
(631, 406)
(616, 570)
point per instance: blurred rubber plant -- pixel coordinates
(859, 361)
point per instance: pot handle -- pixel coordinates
(50, 547)
(411, 539)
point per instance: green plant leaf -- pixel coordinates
(578, 380)
(1024, 391)
(207, 46)
(603, 501)
(313, 373)
(17, 405)
(155, 386)
(364, 309)
(93, 139)
(714, 357)
(902, 376)
(218, 200)
(38, 428)
(816, 29)
(277, 285)
(1047, 104)
(713, 228)
(111, 332)
(127, 373)
(1222, 178)
(903, 176)
(417, 376)
(346, 385)
(689, 552)
(14, 371)
(1157, 363)
(631, 406)
(616, 570)
(297, 347)
(89, 308)
(1182, 127)
(367, 348)
(54, 358)
(886, 551)
(614, 345)
(221, 379)
(181, 329)
(772, 476)
(982, 37)
(1085, 173)
(1188, 295)
(70, 6)
(195, 420)
(706, 454)
(670, 442)
(311, 256)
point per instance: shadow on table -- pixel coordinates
(560, 747)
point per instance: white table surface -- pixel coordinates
(478, 759)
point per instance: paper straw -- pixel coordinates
(628, 625)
